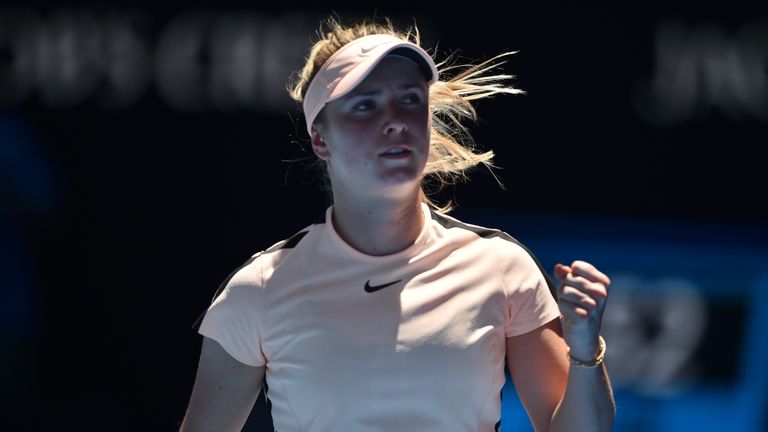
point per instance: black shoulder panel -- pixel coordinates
(199, 319)
(289, 243)
(285, 244)
(490, 233)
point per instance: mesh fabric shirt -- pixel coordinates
(413, 341)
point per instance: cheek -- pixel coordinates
(422, 118)
(349, 152)
(352, 156)
(422, 125)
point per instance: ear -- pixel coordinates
(319, 146)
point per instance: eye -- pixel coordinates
(363, 105)
(412, 98)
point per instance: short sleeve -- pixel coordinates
(234, 317)
(530, 303)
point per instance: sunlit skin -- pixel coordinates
(376, 203)
(388, 109)
(582, 296)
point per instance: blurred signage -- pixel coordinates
(699, 68)
(198, 60)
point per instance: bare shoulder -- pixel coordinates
(224, 391)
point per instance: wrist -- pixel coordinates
(588, 358)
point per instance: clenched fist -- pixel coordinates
(582, 293)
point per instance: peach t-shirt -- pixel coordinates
(409, 341)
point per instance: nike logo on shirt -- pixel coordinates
(373, 288)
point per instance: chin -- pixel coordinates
(401, 176)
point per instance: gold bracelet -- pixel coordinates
(597, 361)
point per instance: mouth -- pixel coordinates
(397, 151)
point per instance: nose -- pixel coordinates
(395, 126)
(394, 123)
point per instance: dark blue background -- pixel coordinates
(118, 223)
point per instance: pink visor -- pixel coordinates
(348, 66)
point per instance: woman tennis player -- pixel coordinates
(388, 314)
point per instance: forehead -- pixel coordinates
(392, 71)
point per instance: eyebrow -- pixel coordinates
(377, 91)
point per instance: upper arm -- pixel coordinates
(224, 391)
(539, 369)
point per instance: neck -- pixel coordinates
(378, 226)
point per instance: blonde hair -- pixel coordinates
(452, 150)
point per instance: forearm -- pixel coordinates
(587, 404)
